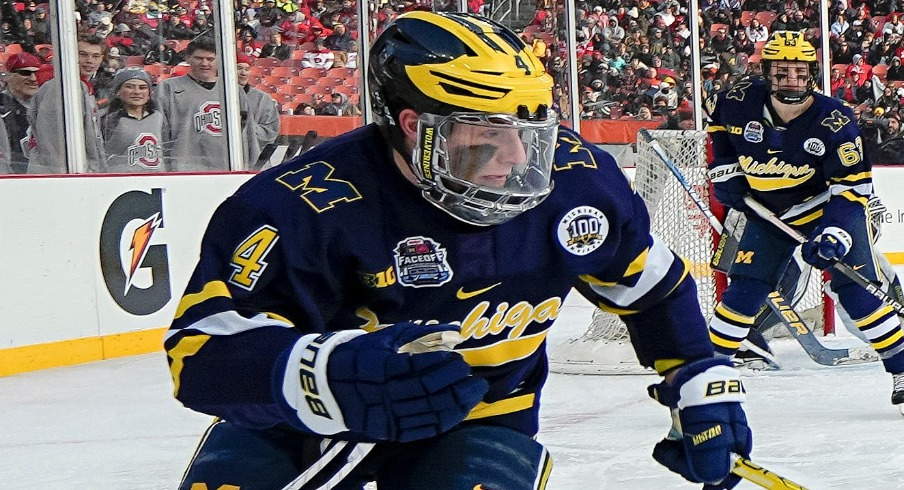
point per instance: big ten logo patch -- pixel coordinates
(134, 263)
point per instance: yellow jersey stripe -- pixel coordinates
(212, 289)
(502, 407)
(186, 347)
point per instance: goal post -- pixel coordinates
(604, 347)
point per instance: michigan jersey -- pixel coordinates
(338, 239)
(802, 169)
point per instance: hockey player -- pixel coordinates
(318, 322)
(800, 154)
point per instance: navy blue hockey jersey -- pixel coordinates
(810, 167)
(338, 239)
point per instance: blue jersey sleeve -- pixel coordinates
(228, 343)
(642, 280)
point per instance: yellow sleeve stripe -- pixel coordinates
(281, 318)
(639, 264)
(854, 177)
(663, 365)
(503, 352)
(850, 196)
(594, 281)
(717, 129)
(186, 347)
(806, 218)
(212, 289)
(502, 407)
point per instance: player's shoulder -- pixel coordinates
(834, 118)
(583, 172)
(341, 169)
(734, 101)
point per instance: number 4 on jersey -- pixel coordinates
(248, 258)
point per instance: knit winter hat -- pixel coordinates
(127, 74)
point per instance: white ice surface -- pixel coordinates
(114, 425)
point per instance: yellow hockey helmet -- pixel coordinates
(789, 46)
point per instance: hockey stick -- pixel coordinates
(755, 473)
(798, 328)
(840, 266)
(741, 466)
(805, 336)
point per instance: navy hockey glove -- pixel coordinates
(710, 425)
(386, 395)
(825, 246)
(729, 185)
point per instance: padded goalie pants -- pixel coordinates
(471, 456)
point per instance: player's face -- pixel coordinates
(134, 93)
(89, 58)
(203, 65)
(790, 75)
(485, 155)
(243, 71)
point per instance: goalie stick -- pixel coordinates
(801, 332)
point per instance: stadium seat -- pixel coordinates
(312, 72)
(154, 70)
(267, 62)
(282, 71)
(880, 71)
(746, 15)
(13, 48)
(715, 27)
(274, 80)
(766, 18)
(134, 61)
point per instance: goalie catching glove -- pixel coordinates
(710, 426)
(401, 383)
(825, 246)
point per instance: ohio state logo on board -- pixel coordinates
(207, 119)
(145, 152)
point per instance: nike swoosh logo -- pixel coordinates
(178, 91)
(6, 114)
(461, 294)
(773, 152)
(858, 267)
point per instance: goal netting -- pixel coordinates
(604, 348)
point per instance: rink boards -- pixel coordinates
(93, 266)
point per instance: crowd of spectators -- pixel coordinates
(634, 56)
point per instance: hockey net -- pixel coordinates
(605, 348)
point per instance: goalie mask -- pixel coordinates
(485, 136)
(786, 53)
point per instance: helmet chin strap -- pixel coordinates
(791, 98)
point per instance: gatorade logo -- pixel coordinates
(133, 262)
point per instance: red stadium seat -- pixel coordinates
(880, 71)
